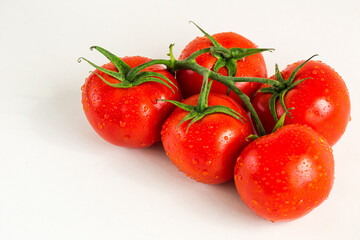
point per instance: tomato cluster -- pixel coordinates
(207, 108)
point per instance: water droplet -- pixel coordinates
(226, 137)
(194, 161)
(191, 146)
(204, 173)
(106, 116)
(127, 136)
(100, 126)
(208, 163)
(122, 124)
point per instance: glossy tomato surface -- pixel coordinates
(207, 152)
(285, 175)
(129, 117)
(252, 66)
(321, 102)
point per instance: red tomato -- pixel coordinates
(129, 117)
(207, 152)
(285, 175)
(321, 102)
(252, 66)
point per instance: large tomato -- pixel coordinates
(321, 102)
(207, 152)
(285, 175)
(252, 66)
(128, 117)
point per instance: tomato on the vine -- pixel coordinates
(130, 117)
(285, 175)
(321, 101)
(251, 66)
(207, 150)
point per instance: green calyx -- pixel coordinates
(228, 58)
(124, 74)
(196, 113)
(279, 92)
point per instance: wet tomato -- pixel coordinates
(129, 117)
(251, 66)
(285, 175)
(207, 152)
(321, 102)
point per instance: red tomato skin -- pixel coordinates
(285, 175)
(207, 153)
(253, 66)
(129, 117)
(321, 102)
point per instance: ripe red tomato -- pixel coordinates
(129, 117)
(321, 102)
(285, 175)
(207, 152)
(252, 66)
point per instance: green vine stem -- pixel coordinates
(132, 77)
(191, 64)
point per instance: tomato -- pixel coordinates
(252, 66)
(321, 102)
(130, 117)
(207, 152)
(285, 175)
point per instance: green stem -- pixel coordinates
(132, 73)
(228, 81)
(203, 98)
(198, 53)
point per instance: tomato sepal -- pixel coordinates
(125, 74)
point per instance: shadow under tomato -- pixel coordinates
(60, 120)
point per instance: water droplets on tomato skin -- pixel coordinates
(204, 173)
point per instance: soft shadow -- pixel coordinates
(60, 120)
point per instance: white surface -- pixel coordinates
(59, 180)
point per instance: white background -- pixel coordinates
(59, 180)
